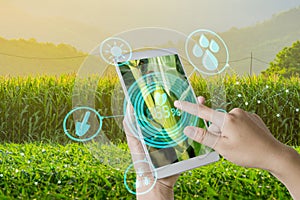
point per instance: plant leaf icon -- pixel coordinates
(197, 51)
(160, 99)
(209, 61)
(203, 41)
(214, 47)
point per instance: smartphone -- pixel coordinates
(152, 80)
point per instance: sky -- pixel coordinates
(84, 23)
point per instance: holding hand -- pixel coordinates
(244, 139)
(163, 188)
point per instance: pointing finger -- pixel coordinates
(202, 111)
(202, 136)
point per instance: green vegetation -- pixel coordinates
(43, 171)
(33, 108)
(264, 40)
(29, 57)
(286, 63)
(46, 164)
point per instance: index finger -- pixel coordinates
(202, 111)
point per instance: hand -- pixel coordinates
(163, 188)
(239, 136)
(244, 139)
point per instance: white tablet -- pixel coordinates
(152, 80)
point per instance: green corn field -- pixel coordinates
(33, 108)
(38, 161)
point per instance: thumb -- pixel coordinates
(202, 136)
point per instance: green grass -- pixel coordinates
(32, 110)
(52, 171)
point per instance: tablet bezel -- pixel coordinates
(180, 166)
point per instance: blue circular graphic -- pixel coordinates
(158, 136)
(115, 48)
(207, 49)
(86, 116)
(145, 180)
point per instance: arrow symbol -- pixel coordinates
(82, 127)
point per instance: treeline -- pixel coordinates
(20, 57)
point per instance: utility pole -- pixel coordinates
(251, 67)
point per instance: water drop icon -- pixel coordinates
(197, 51)
(203, 41)
(207, 52)
(146, 181)
(214, 47)
(160, 99)
(209, 61)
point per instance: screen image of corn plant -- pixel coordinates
(161, 73)
(38, 161)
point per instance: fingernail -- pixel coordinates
(201, 99)
(177, 104)
(190, 132)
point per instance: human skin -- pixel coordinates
(244, 139)
(240, 137)
(163, 189)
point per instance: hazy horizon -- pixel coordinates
(85, 24)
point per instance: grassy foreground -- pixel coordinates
(52, 171)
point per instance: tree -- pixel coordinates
(286, 63)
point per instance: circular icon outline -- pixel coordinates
(190, 60)
(132, 165)
(118, 39)
(138, 106)
(85, 139)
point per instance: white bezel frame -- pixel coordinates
(181, 166)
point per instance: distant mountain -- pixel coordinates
(29, 57)
(17, 23)
(22, 57)
(264, 40)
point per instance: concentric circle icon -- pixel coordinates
(83, 131)
(207, 52)
(140, 177)
(114, 48)
(160, 122)
(96, 67)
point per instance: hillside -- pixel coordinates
(264, 40)
(23, 57)
(17, 22)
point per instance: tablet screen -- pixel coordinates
(153, 83)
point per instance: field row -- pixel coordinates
(52, 171)
(33, 108)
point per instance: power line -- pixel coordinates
(42, 58)
(242, 59)
(82, 56)
(259, 60)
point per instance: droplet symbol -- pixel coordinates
(209, 61)
(146, 181)
(160, 99)
(197, 51)
(203, 41)
(214, 47)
